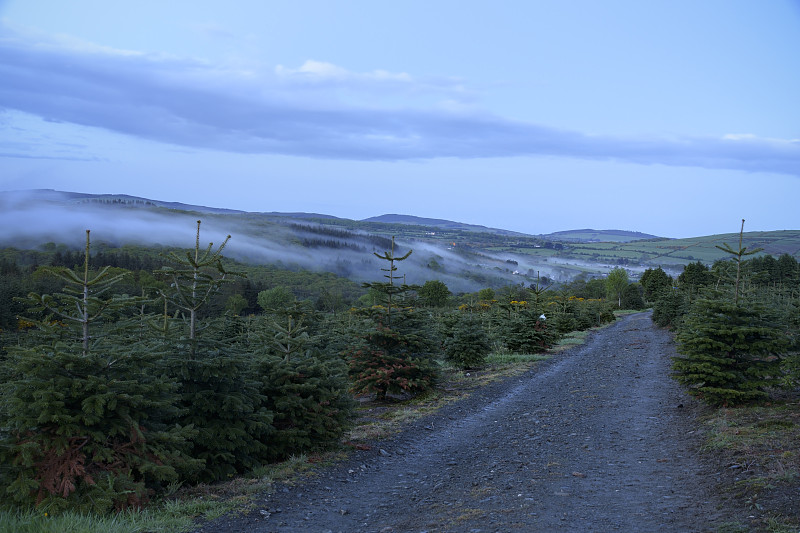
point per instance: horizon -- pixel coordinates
(674, 120)
(12, 205)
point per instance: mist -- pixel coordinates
(32, 218)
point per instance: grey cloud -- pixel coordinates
(194, 104)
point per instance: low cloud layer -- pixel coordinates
(294, 111)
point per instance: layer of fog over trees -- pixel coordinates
(31, 219)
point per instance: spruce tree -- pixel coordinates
(218, 395)
(729, 352)
(306, 389)
(397, 355)
(469, 344)
(83, 405)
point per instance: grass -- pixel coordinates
(758, 449)
(514, 358)
(164, 519)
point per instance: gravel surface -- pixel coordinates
(598, 438)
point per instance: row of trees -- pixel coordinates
(108, 397)
(736, 324)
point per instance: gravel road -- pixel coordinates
(598, 438)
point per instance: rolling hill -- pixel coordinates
(465, 256)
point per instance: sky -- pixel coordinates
(676, 118)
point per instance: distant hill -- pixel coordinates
(436, 223)
(464, 256)
(603, 235)
(39, 196)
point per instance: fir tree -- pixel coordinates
(469, 345)
(306, 389)
(526, 332)
(196, 278)
(219, 396)
(83, 406)
(730, 353)
(397, 353)
(737, 257)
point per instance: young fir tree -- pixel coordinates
(219, 397)
(307, 390)
(83, 405)
(397, 353)
(526, 331)
(729, 352)
(469, 344)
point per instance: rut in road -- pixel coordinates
(596, 439)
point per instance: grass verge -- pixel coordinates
(756, 450)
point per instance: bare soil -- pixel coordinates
(598, 438)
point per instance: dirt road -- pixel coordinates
(599, 438)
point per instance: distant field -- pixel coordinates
(665, 252)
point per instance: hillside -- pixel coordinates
(465, 256)
(591, 235)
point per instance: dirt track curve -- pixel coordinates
(598, 438)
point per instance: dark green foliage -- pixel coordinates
(525, 332)
(632, 297)
(434, 293)
(84, 431)
(219, 397)
(309, 395)
(193, 279)
(737, 256)
(306, 389)
(222, 401)
(398, 359)
(83, 406)
(791, 326)
(695, 277)
(729, 352)
(275, 299)
(469, 344)
(670, 307)
(570, 313)
(388, 364)
(398, 342)
(653, 281)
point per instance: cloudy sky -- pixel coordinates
(672, 117)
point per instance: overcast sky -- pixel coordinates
(671, 117)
